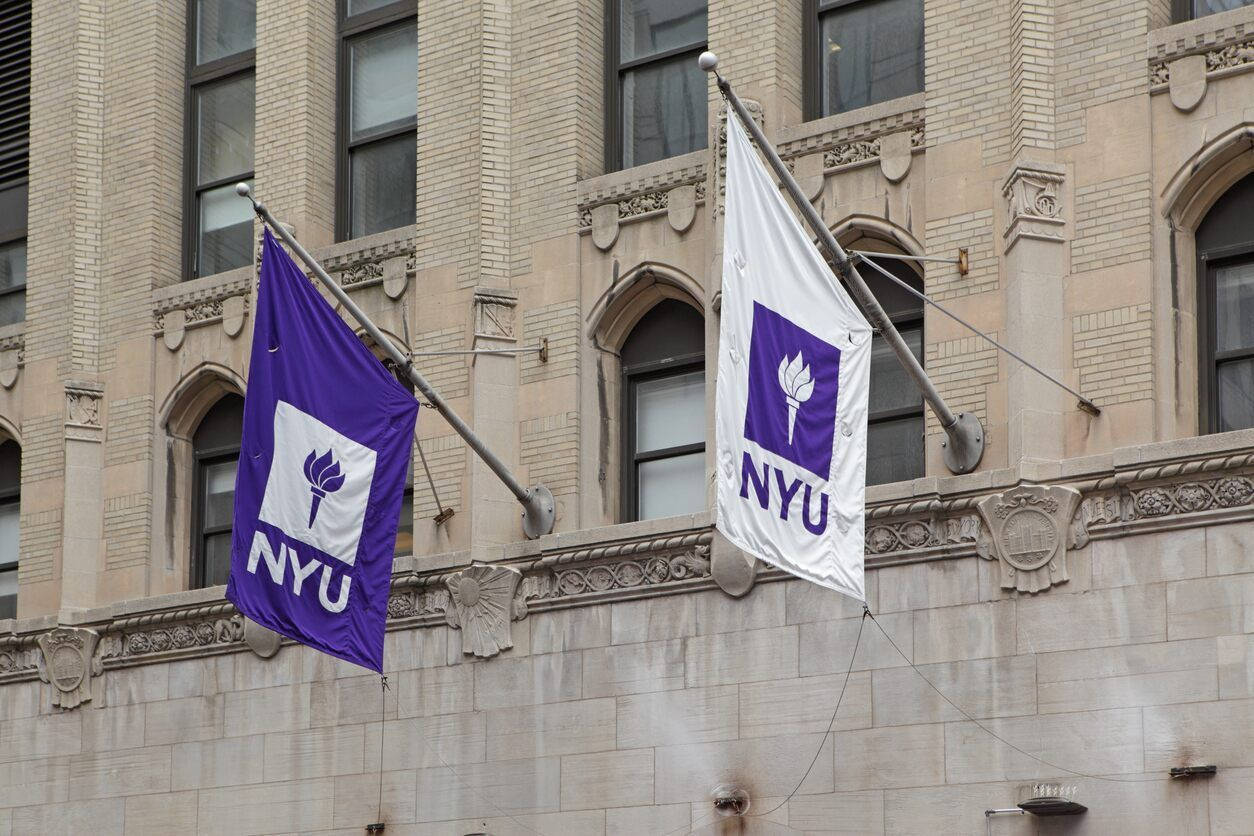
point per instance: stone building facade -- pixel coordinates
(1084, 600)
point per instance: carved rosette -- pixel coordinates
(481, 605)
(67, 662)
(1028, 530)
(1033, 194)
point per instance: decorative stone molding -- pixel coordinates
(179, 308)
(67, 662)
(387, 259)
(1183, 58)
(494, 313)
(12, 356)
(172, 634)
(19, 657)
(1028, 530)
(481, 605)
(82, 410)
(1033, 193)
(676, 192)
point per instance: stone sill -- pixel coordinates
(641, 179)
(850, 126)
(1224, 40)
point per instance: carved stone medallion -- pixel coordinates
(67, 662)
(482, 606)
(1028, 527)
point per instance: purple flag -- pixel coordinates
(326, 445)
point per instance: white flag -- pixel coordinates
(793, 363)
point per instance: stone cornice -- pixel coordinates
(853, 137)
(642, 191)
(1192, 482)
(1226, 40)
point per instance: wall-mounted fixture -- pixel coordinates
(1193, 771)
(730, 800)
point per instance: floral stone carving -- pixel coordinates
(481, 604)
(1029, 526)
(67, 662)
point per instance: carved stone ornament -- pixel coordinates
(261, 640)
(895, 155)
(67, 662)
(1187, 82)
(605, 225)
(1028, 531)
(481, 604)
(82, 405)
(1033, 193)
(9, 366)
(494, 313)
(681, 207)
(234, 309)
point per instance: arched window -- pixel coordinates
(663, 361)
(1225, 270)
(10, 496)
(215, 447)
(894, 443)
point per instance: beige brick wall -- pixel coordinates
(1113, 351)
(1112, 223)
(963, 369)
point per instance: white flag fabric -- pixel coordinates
(791, 406)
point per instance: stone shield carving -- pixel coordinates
(481, 604)
(67, 662)
(1028, 528)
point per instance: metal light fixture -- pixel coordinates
(730, 800)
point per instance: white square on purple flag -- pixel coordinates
(319, 484)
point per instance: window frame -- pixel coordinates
(15, 191)
(17, 233)
(811, 71)
(393, 15)
(910, 320)
(1182, 11)
(632, 458)
(613, 78)
(13, 496)
(200, 532)
(196, 76)
(1208, 261)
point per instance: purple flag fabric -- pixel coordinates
(326, 445)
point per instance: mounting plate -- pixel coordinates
(539, 512)
(964, 447)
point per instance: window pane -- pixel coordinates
(217, 559)
(668, 487)
(9, 513)
(8, 594)
(894, 451)
(405, 526)
(1202, 8)
(383, 176)
(1234, 307)
(652, 26)
(224, 27)
(219, 493)
(891, 387)
(12, 274)
(670, 411)
(1236, 395)
(226, 231)
(869, 53)
(224, 119)
(664, 111)
(356, 7)
(383, 69)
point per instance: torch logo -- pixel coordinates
(324, 477)
(795, 380)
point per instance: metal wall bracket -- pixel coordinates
(964, 447)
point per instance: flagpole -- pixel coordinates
(965, 444)
(537, 501)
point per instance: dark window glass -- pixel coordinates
(1225, 271)
(12, 282)
(215, 447)
(224, 27)
(405, 523)
(1201, 8)
(870, 52)
(657, 94)
(378, 136)
(15, 39)
(10, 495)
(894, 449)
(664, 424)
(221, 99)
